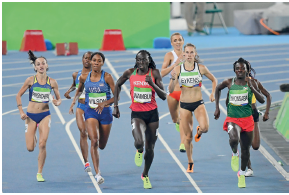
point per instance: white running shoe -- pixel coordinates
(99, 178)
(87, 167)
(249, 173)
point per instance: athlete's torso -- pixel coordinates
(142, 94)
(96, 92)
(40, 93)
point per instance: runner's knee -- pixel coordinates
(30, 149)
(94, 142)
(204, 128)
(42, 145)
(138, 144)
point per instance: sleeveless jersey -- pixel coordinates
(82, 96)
(240, 99)
(40, 93)
(142, 94)
(96, 92)
(191, 78)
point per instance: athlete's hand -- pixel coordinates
(217, 113)
(266, 116)
(115, 112)
(149, 80)
(249, 80)
(71, 109)
(173, 74)
(55, 102)
(67, 95)
(100, 107)
(180, 60)
(23, 116)
(212, 97)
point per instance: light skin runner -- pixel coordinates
(80, 108)
(239, 122)
(38, 113)
(171, 60)
(98, 113)
(189, 77)
(145, 81)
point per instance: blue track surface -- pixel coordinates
(63, 168)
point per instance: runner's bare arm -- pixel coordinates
(28, 82)
(72, 87)
(260, 98)
(174, 79)
(109, 80)
(221, 86)
(158, 85)
(54, 86)
(205, 71)
(268, 100)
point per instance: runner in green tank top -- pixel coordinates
(239, 122)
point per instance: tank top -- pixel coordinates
(191, 78)
(240, 99)
(96, 92)
(40, 93)
(82, 96)
(142, 94)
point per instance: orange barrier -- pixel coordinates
(33, 40)
(60, 49)
(112, 40)
(4, 47)
(73, 48)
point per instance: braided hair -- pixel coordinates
(152, 64)
(248, 66)
(33, 58)
(97, 53)
(89, 52)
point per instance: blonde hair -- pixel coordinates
(197, 58)
(177, 34)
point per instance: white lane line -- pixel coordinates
(162, 140)
(261, 149)
(67, 128)
(13, 111)
(116, 76)
(57, 110)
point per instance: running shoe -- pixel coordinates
(249, 173)
(190, 168)
(39, 177)
(146, 182)
(241, 180)
(182, 148)
(197, 137)
(87, 167)
(138, 158)
(235, 163)
(178, 127)
(99, 179)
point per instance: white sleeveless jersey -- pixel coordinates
(191, 78)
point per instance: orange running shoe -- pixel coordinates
(190, 168)
(197, 136)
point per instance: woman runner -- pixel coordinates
(239, 122)
(189, 77)
(38, 114)
(171, 60)
(98, 113)
(81, 107)
(145, 80)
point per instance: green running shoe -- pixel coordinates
(235, 163)
(39, 177)
(178, 127)
(146, 182)
(138, 158)
(241, 180)
(182, 148)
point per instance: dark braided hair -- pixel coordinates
(99, 53)
(152, 64)
(89, 52)
(33, 58)
(248, 66)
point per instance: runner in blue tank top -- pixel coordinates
(81, 107)
(98, 113)
(38, 113)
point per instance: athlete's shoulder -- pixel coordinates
(29, 80)
(74, 75)
(107, 75)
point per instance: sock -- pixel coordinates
(191, 164)
(236, 154)
(140, 150)
(242, 172)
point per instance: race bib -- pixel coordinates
(142, 95)
(40, 94)
(189, 79)
(239, 97)
(82, 96)
(95, 98)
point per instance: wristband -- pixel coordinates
(19, 105)
(115, 106)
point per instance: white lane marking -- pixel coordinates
(261, 149)
(67, 128)
(57, 110)
(116, 76)
(161, 138)
(13, 111)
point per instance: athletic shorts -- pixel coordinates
(191, 106)
(105, 118)
(147, 116)
(255, 115)
(37, 117)
(176, 95)
(246, 124)
(81, 106)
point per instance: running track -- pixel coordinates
(63, 169)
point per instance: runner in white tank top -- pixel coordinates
(171, 60)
